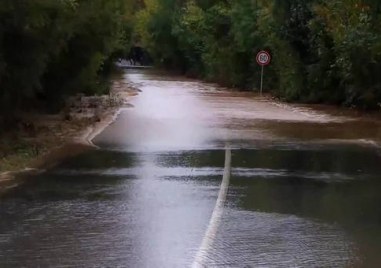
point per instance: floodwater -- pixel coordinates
(304, 190)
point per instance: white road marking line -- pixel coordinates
(215, 220)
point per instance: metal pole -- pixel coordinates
(262, 80)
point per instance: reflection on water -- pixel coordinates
(276, 240)
(301, 194)
(76, 218)
(302, 208)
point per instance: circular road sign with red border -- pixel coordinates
(263, 58)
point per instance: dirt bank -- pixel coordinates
(42, 141)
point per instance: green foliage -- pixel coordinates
(354, 28)
(323, 50)
(77, 68)
(51, 49)
(190, 31)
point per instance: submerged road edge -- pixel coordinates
(215, 220)
(77, 144)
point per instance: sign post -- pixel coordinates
(263, 58)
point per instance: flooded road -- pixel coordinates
(304, 188)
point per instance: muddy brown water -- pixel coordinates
(305, 187)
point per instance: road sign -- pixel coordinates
(263, 58)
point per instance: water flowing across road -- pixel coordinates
(197, 175)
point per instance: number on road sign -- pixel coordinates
(263, 58)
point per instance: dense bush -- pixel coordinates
(51, 49)
(323, 50)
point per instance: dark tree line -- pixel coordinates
(323, 50)
(50, 49)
